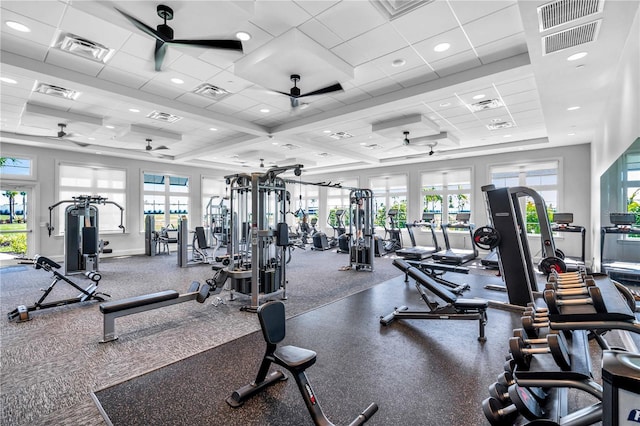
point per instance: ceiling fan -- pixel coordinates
(294, 93)
(60, 135)
(150, 148)
(164, 36)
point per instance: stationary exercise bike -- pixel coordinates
(393, 236)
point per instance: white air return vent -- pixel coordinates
(572, 37)
(82, 47)
(165, 117)
(485, 105)
(340, 135)
(500, 125)
(57, 91)
(211, 91)
(323, 154)
(561, 12)
(392, 9)
(290, 146)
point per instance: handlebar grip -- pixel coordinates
(365, 415)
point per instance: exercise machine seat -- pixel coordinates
(295, 358)
(471, 303)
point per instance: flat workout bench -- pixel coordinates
(133, 305)
(455, 308)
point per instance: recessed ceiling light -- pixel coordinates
(92, 139)
(243, 35)
(213, 129)
(326, 131)
(398, 63)
(177, 80)
(571, 134)
(506, 136)
(98, 152)
(363, 143)
(480, 96)
(445, 104)
(442, 47)
(109, 126)
(18, 26)
(264, 110)
(577, 56)
(274, 143)
(8, 80)
(134, 110)
(573, 108)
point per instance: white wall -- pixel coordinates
(620, 126)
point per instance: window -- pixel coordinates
(76, 180)
(446, 193)
(542, 177)
(390, 193)
(631, 184)
(18, 167)
(166, 198)
(338, 199)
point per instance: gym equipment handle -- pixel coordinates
(365, 415)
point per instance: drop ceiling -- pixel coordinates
(496, 88)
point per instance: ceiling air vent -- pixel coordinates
(164, 117)
(392, 9)
(560, 12)
(290, 146)
(323, 154)
(486, 104)
(57, 91)
(500, 125)
(82, 47)
(572, 37)
(340, 135)
(211, 91)
(372, 146)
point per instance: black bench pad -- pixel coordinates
(133, 302)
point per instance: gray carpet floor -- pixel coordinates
(51, 364)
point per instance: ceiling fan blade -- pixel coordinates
(158, 55)
(333, 88)
(294, 101)
(159, 147)
(143, 27)
(216, 44)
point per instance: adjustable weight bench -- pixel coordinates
(454, 309)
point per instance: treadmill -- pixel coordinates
(451, 256)
(624, 271)
(562, 223)
(420, 252)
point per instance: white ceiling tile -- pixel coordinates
(120, 76)
(133, 64)
(499, 25)
(453, 64)
(47, 12)
(73, 62)
(349, 19)
(521, 97)
(314, 7)
(352, 96)
(323, 35)
(426, 22)
(378, 42)
(469, 10)
(277, 17)
(455, 38)
(194, 67)
(195, 100)
(350, 54)
(23, 47)
(524, 106)
(238, 101)
(159, 87)
(410, 57)
(93, 28)
(413, 76)
(502, 49)
(367, 73)
(221, 108)
(524, 84)
(11, 101)
(40, 33)
(380, 87)
(229, 82)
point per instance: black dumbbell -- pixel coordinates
(497, 414)
(532, 327)
(557, 347)
(595, 299)
(506, 379)
(527, 405)
(523, 403)
(561, 285)
(500, 392)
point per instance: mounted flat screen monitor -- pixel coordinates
(428, 217)
(463, 217)
(627, 219)
(563, 218)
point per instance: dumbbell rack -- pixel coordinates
(530, 371)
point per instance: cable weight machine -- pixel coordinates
(259, 235)
(82, 245)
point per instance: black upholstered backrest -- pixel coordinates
(272, 321)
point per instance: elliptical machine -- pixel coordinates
(394, 240)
